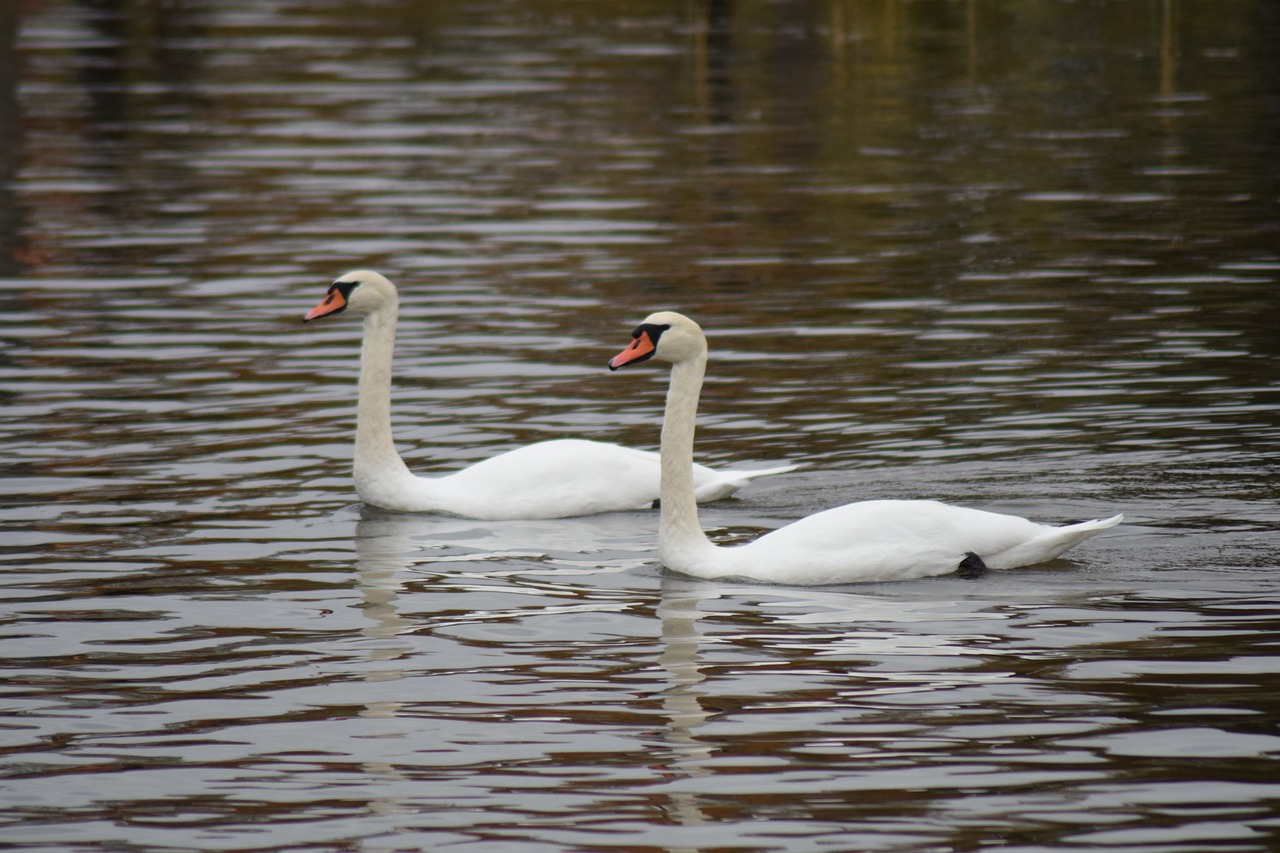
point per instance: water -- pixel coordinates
(1021, 256)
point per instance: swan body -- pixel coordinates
(549, 479)
(878, 540)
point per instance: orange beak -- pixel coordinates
(640, 349)
(332, 303)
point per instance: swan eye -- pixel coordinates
(654, 330)
(340, 294)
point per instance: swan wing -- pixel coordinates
(555, 479)
(568, 477)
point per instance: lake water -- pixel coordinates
(1023, 256)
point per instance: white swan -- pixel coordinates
(867, 541)
(550, 479)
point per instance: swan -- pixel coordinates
(879, 540)
(549, 479)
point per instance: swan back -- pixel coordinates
(889, 540)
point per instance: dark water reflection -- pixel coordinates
(1020, 256)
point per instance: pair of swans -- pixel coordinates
(864, 541)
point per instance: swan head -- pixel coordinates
(359, 291)
(667, 336)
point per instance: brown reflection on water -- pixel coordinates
(882, 143)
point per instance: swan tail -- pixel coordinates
(1089, 528)
(1073, 534)
(748, 476)
(1056, 541)
(729, 482)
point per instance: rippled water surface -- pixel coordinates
(1020, 256)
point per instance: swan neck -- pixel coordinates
(680, 533)
(375, 447)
